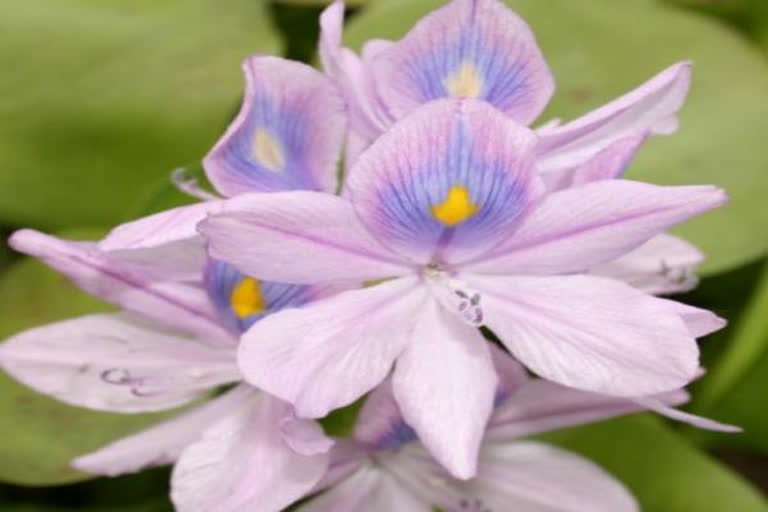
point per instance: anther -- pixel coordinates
(116, 376)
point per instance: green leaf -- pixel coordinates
(734, 390)
(40, 435)
(164, 194)
(662, 470)
(749, 341)
(599, 49)
(105, 97)
(144, 492)
(341, 422)
(320, 2)
(760, 16)
(745, 406)
(734, 11)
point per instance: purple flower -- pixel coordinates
(384, 468)
(175, 342)
(481, 49)
(448, 209)
(170, 347)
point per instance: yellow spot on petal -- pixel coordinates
(267, 151)
(246, 298)
(466, 82)
(456, 208)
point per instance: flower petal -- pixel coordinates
(658, 406)
(445, 385)
(535, 476)
(288, 135)
(380, 424)
(329, 353)
(174, 226)
(468, 48)
(516, 476)
(447, 182)
(347, 456)
(114, 363)
(590, 333)
(352, 75)
(610, 163)
(651, 107)
(699, 322)
(161, 444)
(303, 238)
(128, 283)
(243, 463)
(512, 375)
(542, 406)
(576, 229)
(371, 489)
(662, 265)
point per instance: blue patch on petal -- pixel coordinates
(270, 149)
(241, 300)
(397, 435)
(488, 72)
(478, 183)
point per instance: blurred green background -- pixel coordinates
(100, 99)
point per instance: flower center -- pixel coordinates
(266, 150)
(246, 298)
(454, 295)
(456, 207)
(465, 82)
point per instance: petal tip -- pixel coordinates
(466, 471)
(23, 240)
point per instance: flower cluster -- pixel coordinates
(461, 248)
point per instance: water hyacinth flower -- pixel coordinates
(449, 220)
(384, 468)
(288, 135)
(176, 340)
(481, 49)
(172, 345)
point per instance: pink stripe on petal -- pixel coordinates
(576, 229)
(131, 280)
(302, 237)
